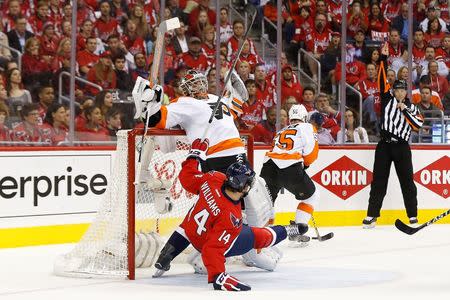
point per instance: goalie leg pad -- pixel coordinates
(147, 248)
(266, 259)
(196, 261)
(258, 204)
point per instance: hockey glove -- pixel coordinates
(198, 149)
(147, 101)
(226, 282)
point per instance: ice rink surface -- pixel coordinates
(381, 263)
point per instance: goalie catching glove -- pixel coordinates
(147, 101)
(226, 282)
(198, 149)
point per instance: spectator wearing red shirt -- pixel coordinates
(302, 26)
(355, 69)
(265, 91)
(332, 117)
(265, 131)
(84, 12)
(194, 58)
(378, 26)
(46, 97)
(5, 132)
(102, 73)
(438, 83)
(317, 42)
(55, 12)
(290, 86)
(62, 58)
(233, 42)
(391, 9)
(395, 45)
(442, 5)
(434, 33)
(106, 25)
(35, 66)
(54, 127)
(131, 39)
(119, 10)
(200, 25)
(252, 110)
(247, 56)
(308, 95)
(356, 19)
(209, 45)
(28, 130)
(11, 14)
(38, 20)
(335, 13)
(368, 87)
(86, 59)
(87, 31)
(419, 46)
(444, 52)
(138, 16)
(202, 5)
(94, 129)
(49, 40)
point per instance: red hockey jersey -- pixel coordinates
(215, 221)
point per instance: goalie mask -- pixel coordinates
(240, 178)
(194, 83)
(298, 112)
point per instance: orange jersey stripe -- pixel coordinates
(284, 156)
(162, 123)
(227, 144)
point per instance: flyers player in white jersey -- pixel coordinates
(294, 149)
(192, 113)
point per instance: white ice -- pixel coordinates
(380, 263)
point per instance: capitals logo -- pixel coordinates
(235, 221)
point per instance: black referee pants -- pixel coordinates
(385, 154)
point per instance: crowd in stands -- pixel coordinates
(115, 43)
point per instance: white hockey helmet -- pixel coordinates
(298, 112)
(194, 83)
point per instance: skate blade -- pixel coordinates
(158, 273)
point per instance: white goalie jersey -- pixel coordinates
(193, 115)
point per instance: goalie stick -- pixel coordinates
(163, 28)
(251, 10)
(319, 237)
(411, 230)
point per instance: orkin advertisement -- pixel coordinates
(65, 182)
(53, 182)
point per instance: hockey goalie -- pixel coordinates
(192, 112)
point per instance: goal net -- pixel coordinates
(128, 223)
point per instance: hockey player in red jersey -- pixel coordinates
(214, 224)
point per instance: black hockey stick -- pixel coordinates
(251, 10)
(411, 230)
(319, 237)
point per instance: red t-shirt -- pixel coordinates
(199, 63)
(263, 132)
(251, 115)
(106, 28)
(266, 95)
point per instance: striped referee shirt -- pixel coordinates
(396, 123)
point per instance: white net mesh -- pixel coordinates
(103, 250)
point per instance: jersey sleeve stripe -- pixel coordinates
(162, 123)
(311, 157)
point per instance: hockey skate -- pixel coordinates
(369, 222)
(298, 239)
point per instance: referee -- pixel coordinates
(398, 117)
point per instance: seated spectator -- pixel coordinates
(422, 68)
(102, 73)
(419, 47)
(40, 17)
(373, 57)
(402, 73)
(247, 56)
(104, 101)
(400, 22)
(5, 53)
(46, 97)
(428, 110)
(432, 13)
(361, 50)
(17, 96)
(324, 136)
(203, 5)
(425, 81)
(253, 110)
(309, 95)
(113, 122)
(117, 48)
(290, 86)
(302, 26)
(352, 132)
(93, 129)
(11, 12)
(142, 69)
(19, 35)
(28, 130)
(265, 91)
(124, 81)
(289, 102)
(378, 25)
(194, 58)
(80, 119)
(356, 20)
(87, 58)
(143, 28)
(209, 44)
(180, 40)
(34, 65)
(48, 41)
(233, 42)
(62, 58)
(86, 32)
(105, 24)
(444, 52)
(226, 30)
(355, 69)
(5, 132)
(331, 116)
(395, 45)
(132, 41)
(265, 131)
(439, 83)
(368, 87)
(442, 7)
(244, 70)
(425, 103)
(54, 127)
(329, 59)
(434, 33)
(202, 22)
(175, 9)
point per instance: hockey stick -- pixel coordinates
(319, 237)
(411, 230)
(163, 28)
(251, 10)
